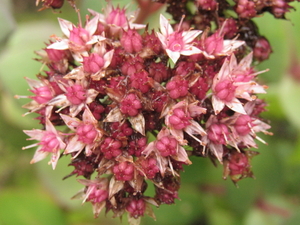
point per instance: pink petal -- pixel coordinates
(138, 123)
(217, 150)
(35, 134)
(54, 159)
(74, 146)
(162, 39)
(230, 45)
(107, 58)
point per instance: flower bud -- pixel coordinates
(262, 49)
(93, 63)
(131, 41)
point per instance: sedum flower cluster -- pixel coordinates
(130, 106)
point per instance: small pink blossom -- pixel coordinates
(130, 105)
(216, 45)
(117, 19)
(124, 171)
(136, 207)
(51, 142)
(218, 136)
(87, 134)
(79, 40)
(245, 127)
(43, 90)
(232, 82)
(111, 148)
(96, 192)
(178, 42)
(97, 62)
(164, 147)
(76, 96)
(149, 167)
(177, 87)
(180, 118)
(132, 41)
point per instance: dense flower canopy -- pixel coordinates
(112, 101)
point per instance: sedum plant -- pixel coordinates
(130, 106)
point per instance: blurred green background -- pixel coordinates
(37, 195)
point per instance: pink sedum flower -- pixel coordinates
(76, 96)
(180, 119)
(79, 40)
(218, 136)
(87, 134)
(51, 142)
(164, 148)
(117, 19)
(97, 62)
(234, 81)
(178, 42)
(96, 192)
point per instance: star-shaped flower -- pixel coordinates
(87, 133)
(235, 81)
(50, 142)
(178, 42)
(79, 40)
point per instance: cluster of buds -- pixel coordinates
(131, 106)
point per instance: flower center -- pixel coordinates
(49, 142)
(86, 133)
(75, 94)
(175, 42)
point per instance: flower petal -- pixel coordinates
(165, 26)
(174, 56)
(66, 26)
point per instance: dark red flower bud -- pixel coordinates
(262, 49)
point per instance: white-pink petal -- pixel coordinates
(39, 155)
(189, 36)
(59, 45)
(190, 50)
(66, 26)
(174, 56)
(165, 27)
